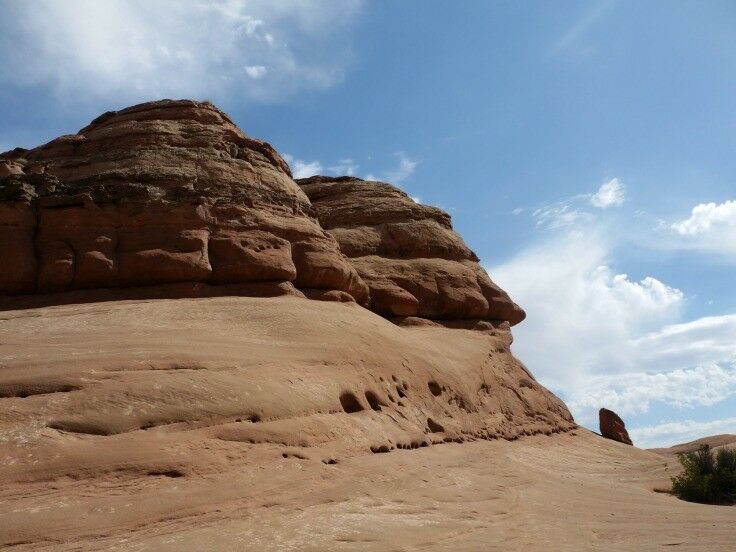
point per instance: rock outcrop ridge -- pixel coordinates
(161, 193)
(172, 198)
(414, 263)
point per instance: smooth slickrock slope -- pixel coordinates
(217, 424)
(161, 193)
(122, 395)
(415, 265)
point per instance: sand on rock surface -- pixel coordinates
(236, 423)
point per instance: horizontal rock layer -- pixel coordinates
(165, 192)
(412, 260)
(172, 192)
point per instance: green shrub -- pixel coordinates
(708, 478)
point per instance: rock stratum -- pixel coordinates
(174, 194)
(413, 262)
(161, 193)
(159, 340)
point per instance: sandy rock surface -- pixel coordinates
(288, 424)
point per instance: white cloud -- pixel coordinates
(571, 211)
(344, 167)
(560, 215)
(403, 170)
(348, 167)
(711, 227)
(706, 340)
(604, 339)
(611, 193)
(629, 394)
(303, 169)
(136, 49)
(255, 71)
(670, 433)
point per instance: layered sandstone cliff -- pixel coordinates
(160, 193)
(170, 198)
(414, 263)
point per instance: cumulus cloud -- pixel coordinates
(610, 194)
(630, 394)
(136, 49)
(710, 227)
(665, 434)
(706, 217)
(601, 338)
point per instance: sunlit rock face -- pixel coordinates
(414, 263)
(160, 193)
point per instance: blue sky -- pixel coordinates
(584, 149)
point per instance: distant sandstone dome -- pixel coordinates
(173, 198)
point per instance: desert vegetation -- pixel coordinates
(708, 477)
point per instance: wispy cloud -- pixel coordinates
(344, 167)
(404, 168)
(301, 168)
(573, 211)
(559, 215)
(610, 194)
(571, 39)
(255, 71)
(136, 49)
(399, 173)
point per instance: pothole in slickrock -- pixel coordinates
(434, 427)
(373, 400)
(350, 403)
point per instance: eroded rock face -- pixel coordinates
(172, 192)
(613, 427)
(160, 193)
(414, 263)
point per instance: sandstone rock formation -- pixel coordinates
(102, 402)
(613, 427)
(170, 198)
(415, 265)
(160, 193)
